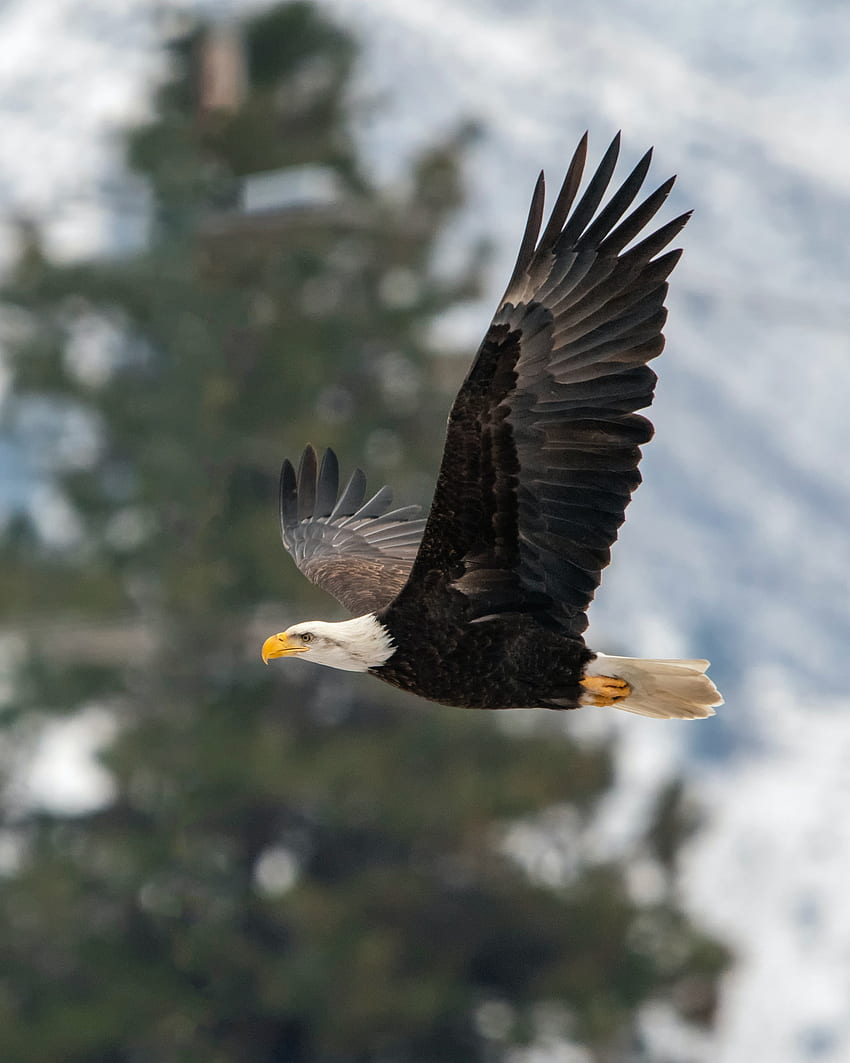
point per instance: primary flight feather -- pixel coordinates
(483, 604)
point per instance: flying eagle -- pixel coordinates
(483, 604)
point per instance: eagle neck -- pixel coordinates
(367, 640)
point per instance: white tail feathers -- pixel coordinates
(664, 690)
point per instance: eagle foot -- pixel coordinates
(604, 690)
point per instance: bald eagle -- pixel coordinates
(483, 604)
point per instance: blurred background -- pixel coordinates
(228, 228)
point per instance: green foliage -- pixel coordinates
(295, 865)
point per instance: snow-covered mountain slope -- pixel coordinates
(769, 873)
(72, 75)
(736, 546)
(736, 540)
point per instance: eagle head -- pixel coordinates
(353, 645)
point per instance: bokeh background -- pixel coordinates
(228, 228)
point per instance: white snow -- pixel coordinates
(769, 873)
(62, 773)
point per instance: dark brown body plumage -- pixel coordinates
(504, 662)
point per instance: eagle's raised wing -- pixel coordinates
(542, 447)
(359, 551)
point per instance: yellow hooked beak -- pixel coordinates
(281, 646)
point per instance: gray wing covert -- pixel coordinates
(360, 551)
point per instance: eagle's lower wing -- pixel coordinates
(359, 551)
(542, 447)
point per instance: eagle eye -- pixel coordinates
(306, 636)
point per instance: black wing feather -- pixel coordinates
(307, 473)
(328, 485)
(566, 198)
(589, 202)
(543, 441)
(352, 497)
(617, 206)
(360, 552)
(532, 229)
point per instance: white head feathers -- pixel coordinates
(353, 645)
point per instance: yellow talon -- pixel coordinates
(605, 689)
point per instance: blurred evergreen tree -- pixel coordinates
(294, 865)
